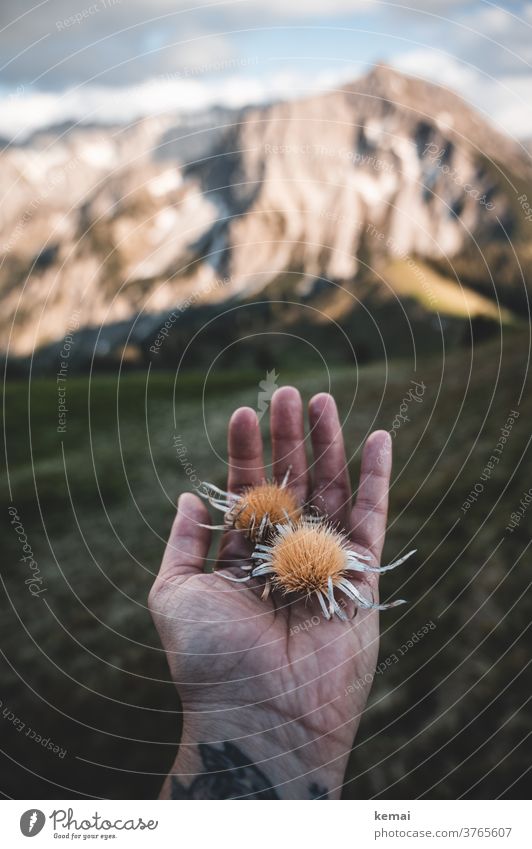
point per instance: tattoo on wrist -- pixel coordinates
(229, 774)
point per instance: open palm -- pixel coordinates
(246, 664)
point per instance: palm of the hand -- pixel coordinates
(228, 646)
(269, 652)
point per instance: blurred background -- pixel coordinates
(201, 203)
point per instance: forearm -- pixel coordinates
(267, 759)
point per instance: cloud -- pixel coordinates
(119, 59)
(504, 101)
(54, 43)
(174, 93)
(513, 105)
(496, 40)
(105, 41)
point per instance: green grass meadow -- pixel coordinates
(82, 665)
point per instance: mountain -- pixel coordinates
(306, 184)
(389, 200)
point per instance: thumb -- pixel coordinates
(188, 543)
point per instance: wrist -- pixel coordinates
(255, 752)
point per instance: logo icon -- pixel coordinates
(32, 822)
(267, 387)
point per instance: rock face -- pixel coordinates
(307, 183)
(109, 224)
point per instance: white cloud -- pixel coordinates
(497, 40)
(438, 66)
(514, 113)
(506, 101)
(20, 115)
(184, 76)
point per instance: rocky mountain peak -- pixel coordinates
(327, 188)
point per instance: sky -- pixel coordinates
(116, 60)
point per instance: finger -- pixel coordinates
(246, 462)
(188, 543)
(368, 518)
(235, 552)
(331, 487)
(288, 440)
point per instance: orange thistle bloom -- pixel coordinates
(312, 558)
(257, 510)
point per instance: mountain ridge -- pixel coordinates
(333, 187)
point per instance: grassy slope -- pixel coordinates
(93, 654)
(439, 293)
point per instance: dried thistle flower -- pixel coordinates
(257, 510)
(313, 558)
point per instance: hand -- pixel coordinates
(272, 691)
